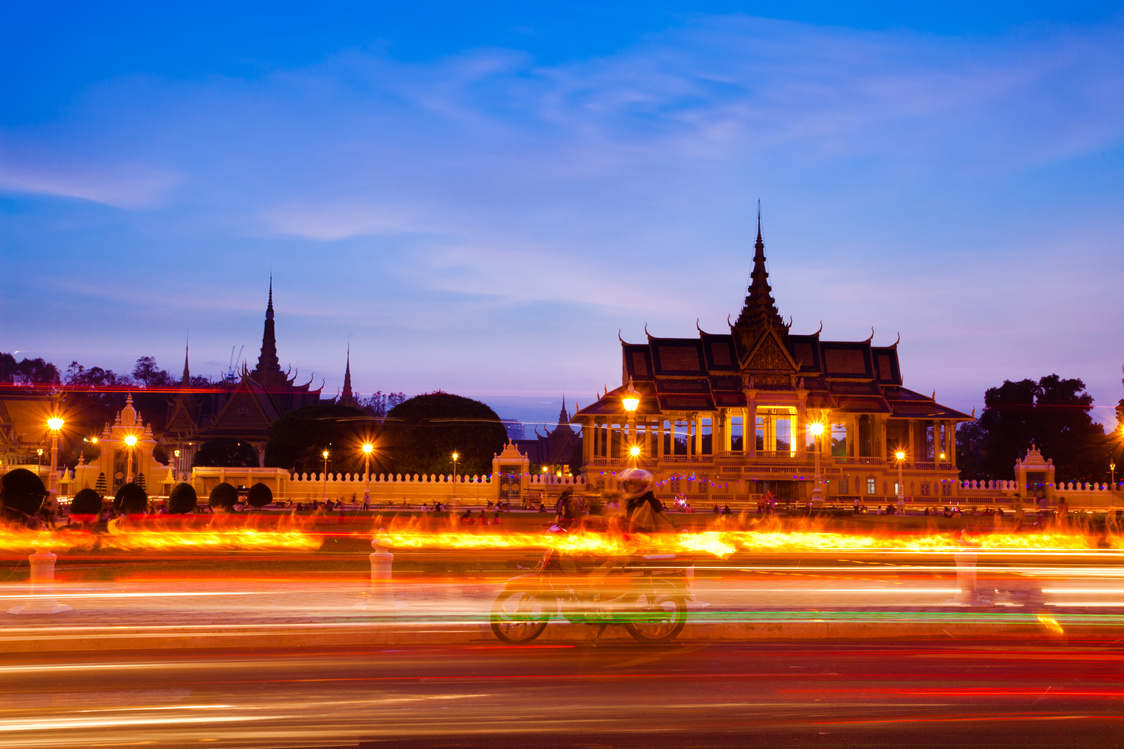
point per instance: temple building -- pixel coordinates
(553, 452)
(732, 417)
(242, 410)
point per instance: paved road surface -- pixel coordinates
(972, 693)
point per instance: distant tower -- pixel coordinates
(268, 371)
(186, 381)
(347, 398)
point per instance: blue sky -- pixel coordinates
(476, 197)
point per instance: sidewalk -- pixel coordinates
(250, 614)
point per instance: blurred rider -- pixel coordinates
(642, 511)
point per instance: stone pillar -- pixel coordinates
(749, 428)
(911, 454)
(659, 439)
(883, 449)
(587, 443)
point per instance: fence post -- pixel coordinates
(42, 586)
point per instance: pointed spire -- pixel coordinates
(759, 309)
(186, 370)
(268, 371)
(269, 307)
(347, 397)
(563, 417)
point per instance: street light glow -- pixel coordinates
(634, 451)
(55, 423)
(816, 427)
(630, 399)
(368, 448)
(131, 440)
(899, 455)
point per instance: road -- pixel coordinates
(997, 693)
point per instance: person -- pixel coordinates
(566, 514)
(496, 519)
(466, 518)
(643, 512)
(725, 509)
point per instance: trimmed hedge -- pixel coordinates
(22, 491)
(260, 495)
(86, 502)
(182, 500)
(131, 500)
(223, 497)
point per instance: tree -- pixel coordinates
(421, 434)
(182, 500)
(226, 451)
(223, 497)
(1053, 413)
(28, 375)
(148, 375)
(259, 495)
(298, 439)
(379, 404)
(131, 500)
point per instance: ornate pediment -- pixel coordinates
(768, 355)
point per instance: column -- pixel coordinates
(749, 429)
(952, 443)
(698, 434)
(587, 443)
(659, 439)
(800, 435)
(911, 454)
(882, 448)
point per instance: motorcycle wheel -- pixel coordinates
(658, 618)
(518, 617)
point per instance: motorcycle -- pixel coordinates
(645, 594)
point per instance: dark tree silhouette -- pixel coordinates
(1053, 413)
(298, 439)
(226, 451)
(421, 434)
(182, 500)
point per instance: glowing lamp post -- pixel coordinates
(900, 456)
(130, 443)
(630, 399)
(1112, 472)
(325, 456)
(817, 490)
(177, 466)
(54, 424)
(368, 448)
(455, 456)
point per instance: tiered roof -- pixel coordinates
(760, 354)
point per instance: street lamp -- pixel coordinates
(1112, 472)
(130, 443)
(177, 466)
(817, 490)
(368, 448)
(900, 456)
(54, 424)
(455, 456)
(630, 399)
(325, 455)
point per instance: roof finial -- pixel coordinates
(186, 372)
(269, 307)
(759, 219)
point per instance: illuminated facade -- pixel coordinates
(731, 417)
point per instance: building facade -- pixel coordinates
(731, 417)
